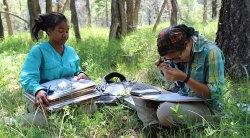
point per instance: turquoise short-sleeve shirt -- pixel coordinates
(44, 63)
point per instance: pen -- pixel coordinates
(47, 92)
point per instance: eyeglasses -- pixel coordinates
(177, 57)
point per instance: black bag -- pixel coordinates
(112, 91)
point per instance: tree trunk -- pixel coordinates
(156, 8)
(107, 13)
(129, 12)
(174, 11)
(8, 20)
(214, 8)
(115, 28)
(169, 10)
(20, 5)
(74, 20)
(118, 20)
(159, 16)
(149, 16)
(34, 11)
(1, 28)
(48, 6)
(89, 13)
(132, 13)
(205, 12)
(233, 36)
(59, 5)
(123, 18)
(136, 12)
(64, 6)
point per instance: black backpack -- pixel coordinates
(113, 91)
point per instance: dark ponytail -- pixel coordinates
(45, 21)
(39, 21)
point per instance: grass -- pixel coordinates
(132, 56)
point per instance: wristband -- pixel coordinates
(186, 79)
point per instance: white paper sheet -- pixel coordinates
(171, 97)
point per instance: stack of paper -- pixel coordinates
(67, 91)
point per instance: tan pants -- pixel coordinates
(150, 112)
(34, 116)
(188, 112)
(40, 118)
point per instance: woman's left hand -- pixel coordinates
(173, 74)
(81, 76)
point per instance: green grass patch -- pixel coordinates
(133, 56)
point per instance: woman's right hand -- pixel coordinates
(158, 62)
(41, 98)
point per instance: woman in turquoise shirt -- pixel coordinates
(49, 60)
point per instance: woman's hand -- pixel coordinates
(173, 74)
(41, 98)
(82, 76)
(158, 62)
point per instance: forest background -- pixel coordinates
(130, 49)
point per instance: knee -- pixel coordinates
(165, 114)
(164, 111)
